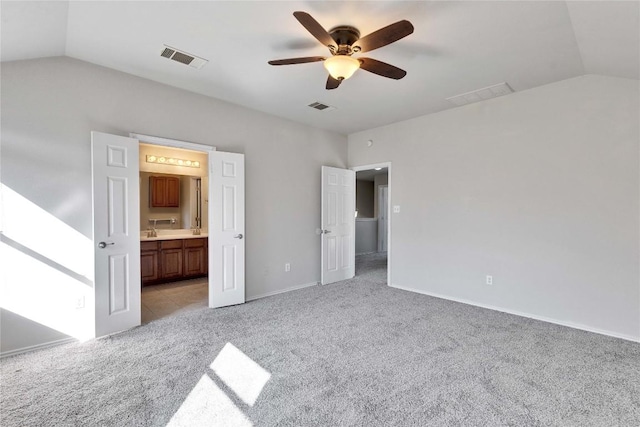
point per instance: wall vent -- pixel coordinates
(183, 57)
(321, 107)
(481, 94)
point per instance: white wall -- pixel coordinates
(539, 189)
(49, 108)
(366, 235)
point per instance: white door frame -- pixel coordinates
(173, 143)
(389, 209)
(156, 140)
(380, 198)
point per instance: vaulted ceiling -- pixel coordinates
(457, 47)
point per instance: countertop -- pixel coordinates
(144, 238)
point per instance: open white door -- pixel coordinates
(338, 224)
(226, 229)
(116, 232)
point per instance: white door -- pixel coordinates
(226, 229)
(338, 224)
(383, 220)
(116, 232)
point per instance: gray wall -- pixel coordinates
(364, 198)
(366, 235)
(49, 108)
(539, 189)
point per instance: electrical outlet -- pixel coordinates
(287, 267)
(80, 302)
(489, 280)
(396, 209)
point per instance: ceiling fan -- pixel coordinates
(343, 41)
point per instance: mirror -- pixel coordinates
(170, 201)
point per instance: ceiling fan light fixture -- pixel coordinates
(341, 67)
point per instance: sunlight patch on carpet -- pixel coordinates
(240, 373)
(207, 405)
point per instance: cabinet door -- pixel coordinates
(158, 191)
(171, 263)
(194, 261)
(173, 192)
(149, 266)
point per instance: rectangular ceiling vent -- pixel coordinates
(321, 107)
(183, 57)
(481, 94)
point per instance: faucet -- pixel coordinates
(196, 231)
(153, 231)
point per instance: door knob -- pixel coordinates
(103, 245)
(326, 231)
(238, 236)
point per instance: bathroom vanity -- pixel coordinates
(172, 257)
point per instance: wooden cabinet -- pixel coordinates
(149, 261)
(195, 257)
(164, 191)
(170, 260)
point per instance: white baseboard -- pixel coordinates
(282, 291)
(37, 347)
(523, 314)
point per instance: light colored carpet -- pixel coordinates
(355, 353)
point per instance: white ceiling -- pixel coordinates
(457, 47)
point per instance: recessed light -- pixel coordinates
(378, 169)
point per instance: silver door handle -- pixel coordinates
(326, 231)
(238, 236)
(103, 245)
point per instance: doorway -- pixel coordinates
(372, 213)
(173, 230)
(116, 227)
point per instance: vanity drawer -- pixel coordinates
(148, 246)
(195, 243)
(171, 244)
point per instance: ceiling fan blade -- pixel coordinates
(381, 68)
(384, 36)
(333, 83)
(315, 28)
(297, 60)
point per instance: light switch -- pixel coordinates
(396, 209)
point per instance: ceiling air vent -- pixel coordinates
(183, 57)
(321, 107)
(481, 94)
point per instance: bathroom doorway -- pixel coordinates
(115, 167)
(173, 230)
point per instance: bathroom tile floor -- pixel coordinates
(167, 299)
